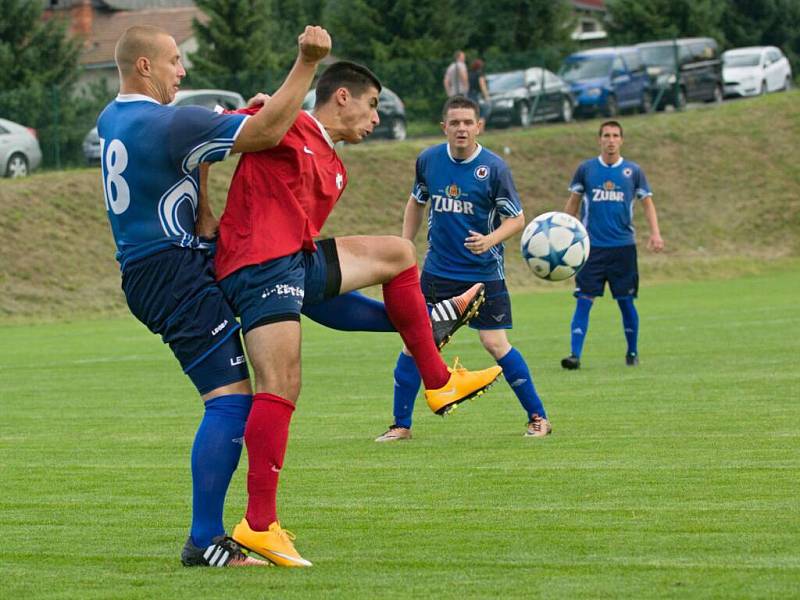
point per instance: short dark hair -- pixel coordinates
(610, 124)
(356, 78)
(460, 102)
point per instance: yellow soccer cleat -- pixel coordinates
(275, 544)
(461, 386)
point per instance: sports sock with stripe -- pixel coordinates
(408, 312)
(630, 322)
(518, 376)
(406, 386)
(580, 325)
(215, 454)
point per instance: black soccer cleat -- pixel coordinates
(572, 362)
(223, 552)
(449, 315)
(631, 359)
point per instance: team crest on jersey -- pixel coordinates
(627, 171)
(609, 185)
(482, 172)
(339, 181)
(453, 191)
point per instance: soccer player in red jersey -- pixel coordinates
(268, 266)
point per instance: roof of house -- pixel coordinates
(107, 27)
(116, 4)
(598, 5)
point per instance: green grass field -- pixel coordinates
(675, 479)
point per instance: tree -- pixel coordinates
(38, 71)
(235, 46)
(764, 22)
(409, 43)
(634, 21)
(520, 33)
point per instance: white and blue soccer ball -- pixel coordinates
(555, 246)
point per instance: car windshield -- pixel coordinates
(586, 68)
(741, 60)
(658, 56)
(503, 82)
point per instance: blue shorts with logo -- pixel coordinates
(495, 313)
(277, 289)
(617, 266)
(175, 295)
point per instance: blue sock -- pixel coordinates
(406, 386)
(215, 455)
(518, 376)
(350, 312)
(630, 321)
(580, 325)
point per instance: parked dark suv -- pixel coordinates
(699, 74)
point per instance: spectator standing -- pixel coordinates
(478, 90)
(456, 81)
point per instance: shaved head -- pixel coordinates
(138, 41)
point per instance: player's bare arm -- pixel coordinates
(573, 204)
(207, 223)
(412, 218)
(655, 243)
(267, 127)
(477, 243)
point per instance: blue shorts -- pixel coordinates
(495, 313)
(175, 295)
(615, 265)
(277, 289)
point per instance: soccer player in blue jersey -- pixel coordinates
(473, 207)
(150, 158)
(605, 188)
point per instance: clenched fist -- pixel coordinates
(315, 44)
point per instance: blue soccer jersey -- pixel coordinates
(608, 195)
(472, 194)
(150, 155)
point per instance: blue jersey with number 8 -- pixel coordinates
(150, 155)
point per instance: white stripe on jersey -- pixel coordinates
(198, 153)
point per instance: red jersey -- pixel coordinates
(280, 198)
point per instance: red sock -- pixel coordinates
(266, 435)
(407, 311)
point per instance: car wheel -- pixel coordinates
(787, 85)
(612, 108)
(398, 129)
(763, 89)
(680, 102)
(523, 114)
(646, 106)
(566, 110)
(17, 166)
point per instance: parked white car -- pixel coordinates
(19, 149)
(755, 70)
(208, 98)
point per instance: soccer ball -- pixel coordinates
(555, 245)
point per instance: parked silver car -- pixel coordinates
(19, 149)
(207, 98)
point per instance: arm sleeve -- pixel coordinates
(642, 187)
(420, 190)
(577, 184)
(505, 193)
(198, 135)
